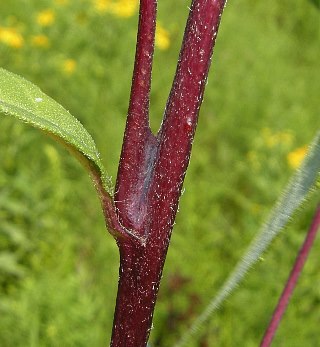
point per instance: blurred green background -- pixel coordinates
(58, 265)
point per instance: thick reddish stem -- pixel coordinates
(152, 169)
(140, 274)
(292, 280)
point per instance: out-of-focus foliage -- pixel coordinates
(303, 184)
(58, 266)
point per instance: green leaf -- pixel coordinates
(304, 182)
(25, 101)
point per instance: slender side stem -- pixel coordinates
(152, 169)
(137, 137)
(292, 280)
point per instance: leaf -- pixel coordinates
(25, 101)
(304, 182)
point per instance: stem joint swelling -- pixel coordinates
(115, 227)
(132, 210)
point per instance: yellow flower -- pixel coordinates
(162, 39)
(120, 8)
(296, 157)
(40, 41)
(124, 8)
(102, 5)
(46, 18)
(10, 37)
(69, 66)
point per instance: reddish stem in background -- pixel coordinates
(292, 280)
(152, 168)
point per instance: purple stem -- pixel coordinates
(152, 168)
(292, 280)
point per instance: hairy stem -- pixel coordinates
(292, 280)
(152, 168)
(140, 274)
(180, 120)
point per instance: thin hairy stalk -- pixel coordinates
(292, 281)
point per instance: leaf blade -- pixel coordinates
(25, 101)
